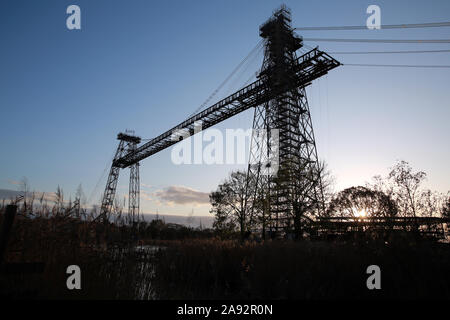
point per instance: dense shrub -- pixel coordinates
(300, 270)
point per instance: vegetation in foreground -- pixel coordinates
(399, 194)
(212, 264)
(111, 256)
(113, 268)
(301, 270)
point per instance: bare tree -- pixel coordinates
(80, 201)
(362, 201)
(24, 189)
(229, 204)
(59, 200)
(403, 185)
(445, 212)
(406, 187)
(313, 190)
(430, 203)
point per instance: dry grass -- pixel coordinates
(112, 268)
(300, 270)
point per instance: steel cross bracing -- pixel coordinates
(134, 190)
(279, 98)
(284, 176)
(306, 68)
(127, 143)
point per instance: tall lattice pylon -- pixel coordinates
(283, 157)
(133, 192)
(127, 143)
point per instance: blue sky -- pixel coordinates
(147, 65)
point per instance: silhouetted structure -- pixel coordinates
(279, 98)
(433, 228)
(278, 163)
(127, 144)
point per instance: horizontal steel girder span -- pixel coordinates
(307, 67)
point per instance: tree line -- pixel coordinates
(398, 194)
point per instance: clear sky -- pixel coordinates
(147, 65)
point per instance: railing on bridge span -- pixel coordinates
(429, 227)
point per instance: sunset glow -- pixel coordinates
(360, 213)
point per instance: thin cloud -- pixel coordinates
(6, 194)
(147, 195)
(182, 195)
(9, 194)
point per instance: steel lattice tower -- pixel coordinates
(283, 156)
(133, 191)
(127, 144)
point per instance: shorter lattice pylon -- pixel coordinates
(128, 143)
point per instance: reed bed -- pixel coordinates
(117, 264)
(214, 269)
(60, 236)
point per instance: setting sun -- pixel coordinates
(360, 213)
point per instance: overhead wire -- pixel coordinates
(328, 119)
(250, 57)
(395, 65)
(422, 41)
(102, 176)
(398, 26)
(253, 53)
(227, 79)
(249, 63)
(386, 26)
(388, 52)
